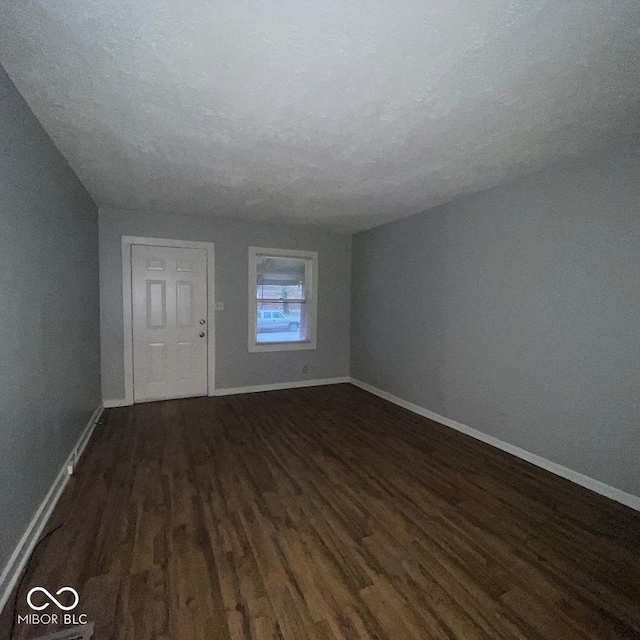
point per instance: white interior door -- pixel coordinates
(170, 324)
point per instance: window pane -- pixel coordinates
(280, 278)
(285, 324)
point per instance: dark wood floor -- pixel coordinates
(328, 513)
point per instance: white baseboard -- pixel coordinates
(618, 495)
(110, 404)
(16, 564)
(281, 385)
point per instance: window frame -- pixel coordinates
(311, 296)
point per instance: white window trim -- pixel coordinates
(311, 294)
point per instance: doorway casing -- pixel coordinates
(127, 319)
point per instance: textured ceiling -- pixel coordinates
(341, 113)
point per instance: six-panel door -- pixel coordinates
(170, 324)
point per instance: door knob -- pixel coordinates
(202, 334)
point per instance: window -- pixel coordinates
(283, 288)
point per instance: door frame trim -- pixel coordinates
(127, 318)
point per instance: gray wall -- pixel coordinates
(516, 311)
(235, 366)
(49, 334)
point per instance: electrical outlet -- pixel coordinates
(305, 369)
(219, 306)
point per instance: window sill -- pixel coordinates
(257, 347)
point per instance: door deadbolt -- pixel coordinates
(202, 321)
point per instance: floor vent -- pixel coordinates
(82, 632)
